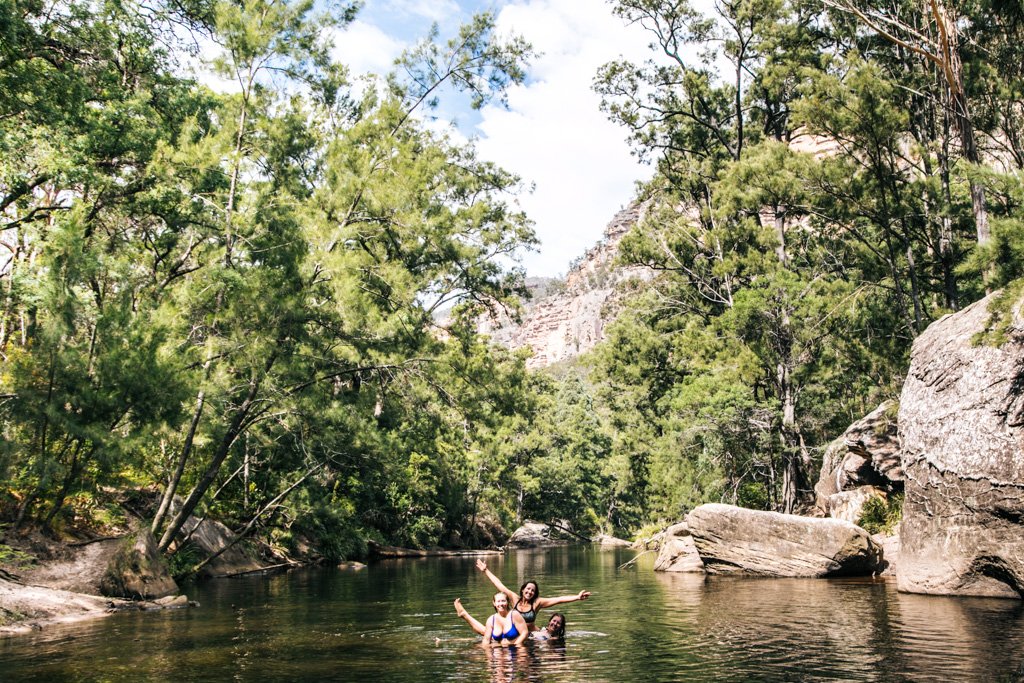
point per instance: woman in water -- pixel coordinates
(555, 629)
(529, 602)
(503, 628)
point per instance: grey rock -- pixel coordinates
(210, 536)
(679, 554)
(890, 546)
(676, 530)
(606, 541)
(867, 454)
(173, 601)
(535, 535)
(137, 570)
(849, 505)
(961, 424)
(736, 540)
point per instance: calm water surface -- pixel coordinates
(394, 621)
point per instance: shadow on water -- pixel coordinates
(394, 621)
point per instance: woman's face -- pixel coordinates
(556, 624)
(530, 592)
(501, 602)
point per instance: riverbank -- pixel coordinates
(47, 581)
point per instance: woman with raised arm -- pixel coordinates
(528, 602)
(504, 628)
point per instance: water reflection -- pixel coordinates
(394, 621)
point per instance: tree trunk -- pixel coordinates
(949, 47)
(237, 426)
(186, 450)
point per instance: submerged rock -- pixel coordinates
(961, 424)
(730, 539)
(137, 570)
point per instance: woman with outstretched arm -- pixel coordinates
(528, 602)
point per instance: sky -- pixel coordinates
(552, 134)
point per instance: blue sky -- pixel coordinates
(552, 134)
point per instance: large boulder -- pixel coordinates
(210, 537)
(678, 552)
(867, 454)
(732, 539)
(961, 424)
(136, 570)
(535, 535)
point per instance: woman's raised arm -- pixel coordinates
(548, 602)
(512, 596)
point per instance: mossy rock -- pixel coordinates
(137, 571)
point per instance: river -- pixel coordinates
(394, 621)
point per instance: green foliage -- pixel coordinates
(881, 515)
(181, 564)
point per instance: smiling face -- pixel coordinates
(556, 626)
(529, 591)
(500, 603)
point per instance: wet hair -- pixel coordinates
(494, 600)
(560, 631)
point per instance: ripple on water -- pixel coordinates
(395, 622)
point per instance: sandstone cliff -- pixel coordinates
(567, 319)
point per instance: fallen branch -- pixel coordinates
(257, 571)
(629, 565)
(269, 507)
(79, 544)
(556, 525)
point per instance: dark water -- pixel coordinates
(394, 621)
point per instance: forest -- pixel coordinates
(260, 303)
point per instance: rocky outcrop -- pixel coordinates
(606, 541)
(535, 535)
(867, 454)
(137, 570)
(210, 537)
(569, 320)
(678, 552)
(736, 540)
(890, 546)
(961, 423)
(849, 505)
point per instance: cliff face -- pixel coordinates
(565, 321)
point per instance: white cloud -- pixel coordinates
(434, 10)
(366, 49)
(554, 134)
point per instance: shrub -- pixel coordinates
(881, 515)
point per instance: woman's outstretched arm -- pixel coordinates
(548, 602)
(474, 624)
(512, 596)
